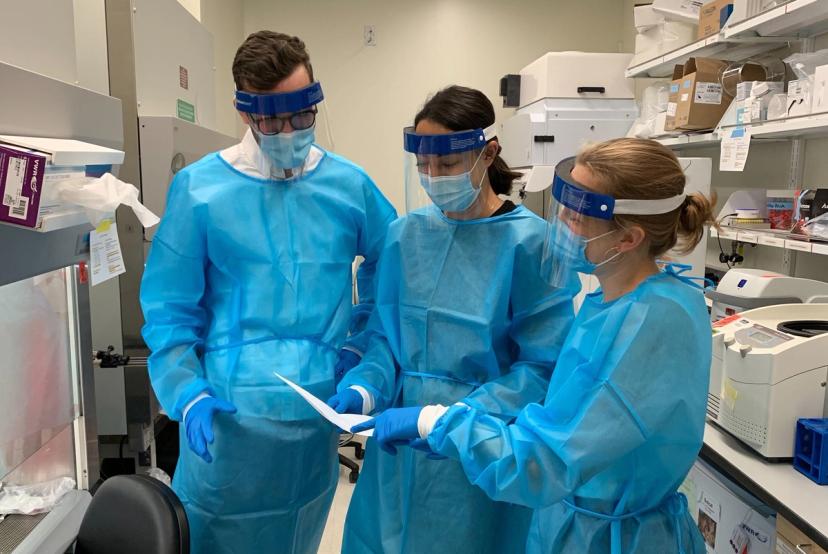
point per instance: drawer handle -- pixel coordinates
(799, 548)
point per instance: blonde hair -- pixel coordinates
(641, 169)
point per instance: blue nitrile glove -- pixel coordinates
(198, 424)
(394, 427)
(348, 360)
(348, 401)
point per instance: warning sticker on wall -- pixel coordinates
(708, 93)
(183, 77)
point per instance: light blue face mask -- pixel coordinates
(452, 193)
(287, 150)
(572, 247)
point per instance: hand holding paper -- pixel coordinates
(343, 421)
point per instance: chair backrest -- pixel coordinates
(134, 514)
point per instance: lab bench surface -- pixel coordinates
(779, 485)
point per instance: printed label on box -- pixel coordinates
(708, 93)
(671, 109)
(709, 513)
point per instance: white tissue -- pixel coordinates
(100, 197)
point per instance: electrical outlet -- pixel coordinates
(369, 35)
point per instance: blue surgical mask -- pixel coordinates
(572, 247)
(452, 193)
(287, 150)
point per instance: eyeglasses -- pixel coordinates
(275, 124)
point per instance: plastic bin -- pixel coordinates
(811, 449)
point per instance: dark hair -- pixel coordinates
(265, 58)
(461, 108)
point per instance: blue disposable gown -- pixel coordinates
(247, 277)
(619, 430)
(463, 312)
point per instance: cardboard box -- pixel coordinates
(712, 16)
(730, 519)
(21, 182)
(702, 98)
(790, 536)
(672, 101)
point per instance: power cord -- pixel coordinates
(724, 257)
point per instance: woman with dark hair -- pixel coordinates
(461, 314)
(602, 457)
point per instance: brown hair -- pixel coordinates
(265, 58)
(647, 170)
(460, 109)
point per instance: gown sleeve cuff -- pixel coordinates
(192, 403)
(367, 399)
(428, 419)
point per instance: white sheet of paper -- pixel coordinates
(343, 421)
(107, 261)
(735, 148)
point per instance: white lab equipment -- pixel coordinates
(746, 289)
(772, 367)
(567, 99)
(560, 110)
(742, 201)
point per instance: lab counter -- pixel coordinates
(779, 485)
(51, 533)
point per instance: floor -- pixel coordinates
(332, 538)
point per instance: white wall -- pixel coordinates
(224, 19)
(373, 92)
(90, 45)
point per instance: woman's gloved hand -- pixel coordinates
(348, 401)
(394, 427)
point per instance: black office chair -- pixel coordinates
(359, 453)
(134, 514)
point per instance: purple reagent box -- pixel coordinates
(21, 182)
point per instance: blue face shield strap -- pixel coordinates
(279, 103)
(573, 196)
(448, 143)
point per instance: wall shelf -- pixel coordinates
(799, 18)
(710, 47)
(806, 126)
(774, 239)
(756, 35)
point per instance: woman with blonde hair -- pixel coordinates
(601, 459)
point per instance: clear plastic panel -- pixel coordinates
(36, 376)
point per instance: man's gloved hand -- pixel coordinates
(348, 401)
(348, 359)
(198, 424)
(394, 427)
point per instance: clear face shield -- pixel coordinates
(446, 170)
(582, 233)
(286, 125)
